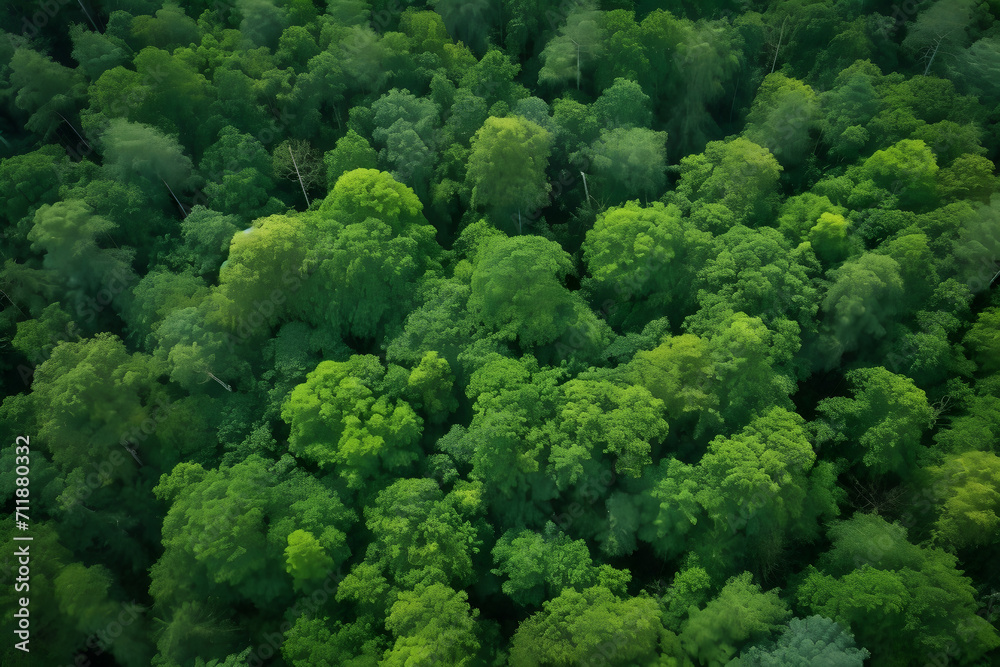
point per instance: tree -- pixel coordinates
(738, 173)
(169, 28)
(807, 641)
(73, 602)
(398, 110)
(628, 163)
(95, 52)
(69, 232)
(141, 154)
(420, 536)
(265, 262)
(192, 632)
(784, 113)
(511, 399)
(360, 194)
(307, 560)
(893, 595)
(623, 105)
(492, 79)
(432, 624)
(680, 372)
(296, 160)
(374, 241)
(756, 272)
(468, 21)
(907, 169)
(741, 612)
(193, 351)
(227, 529)
(341, 418)
(864, 295)
(578, 625)
(974, 68)
(352, 152)
(296, 47)
(507, 166)
(750, 495)
(92, 392)
(312, 641)
(539, 566)
(976, 246)
(689, 591)
(411, 160)
(949, 140)
(969, 177)
(44, 89)
(468, 113)
(406, 126)
(262, 21)
(442, 325)
(579, 43)
(705, 59)
(984, 342)
(766, 481)
(647, 255)
(169, 85)
(829, 237)
(978, 423)
(240, 176)
(575, 126)
(207, 235)
(938, 30)
(848, 109)
(597, 417)
(30, 180)
(883, 422)
(517, 289)
(968, 502)
(753, 365)
(431, 382)
(362, 55)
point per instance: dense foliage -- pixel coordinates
(485, 332)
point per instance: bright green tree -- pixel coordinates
(539, 566)
(227, 529)
(582, 625)
(432, 625)
(306, 558)
(740, 613)
(342, 418)
(903, 602)
(984, 340)
(647, 255)
(884, 421)
(739, 174)
(518, 290)
(507, 166)
(968, 499)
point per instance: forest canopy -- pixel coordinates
(501, 332)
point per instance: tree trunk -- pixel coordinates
(295, 164)
(96, 29)
(778, 48)
(577, 65)
(930, 62)
(179, 204)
